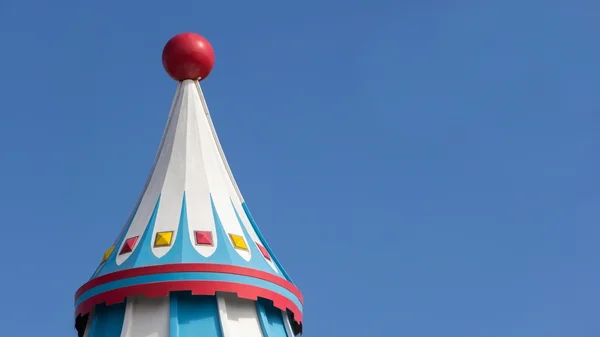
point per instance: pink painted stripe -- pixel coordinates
(189, 267)
(160, 289)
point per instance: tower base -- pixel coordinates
(182, 314)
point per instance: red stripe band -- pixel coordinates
(161, 289)
(189, 267)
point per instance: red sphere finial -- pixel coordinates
(188, 56)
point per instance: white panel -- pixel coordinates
(89, 324)
(127, 321)
(287, 324)
(146, 317)
(251, 232)
(162, 142)
(219, 182)
(199, 210)
(239, 317)
(169, 211)
(155, 183)
(218, 143)
(231, 185)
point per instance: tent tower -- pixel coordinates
(190, 260)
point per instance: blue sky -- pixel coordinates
(421, 168)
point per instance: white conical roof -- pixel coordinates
(191, 229)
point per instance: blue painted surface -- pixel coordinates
(267, 247)
(108, 321)
(196, 316)
(189, 277)
(174, 255)
(111, 259)
(173, 316)
(111, 264)
(183, 248)
(271, 320)
(262, 319)
(256, 253)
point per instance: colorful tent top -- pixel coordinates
(190, 261)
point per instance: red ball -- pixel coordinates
(188, 56)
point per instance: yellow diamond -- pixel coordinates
(238, 242)
(163, 239)
(107, 254)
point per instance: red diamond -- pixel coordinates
(204, 238)
(264, 252)
(128, 245)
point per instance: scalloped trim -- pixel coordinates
(209, 288)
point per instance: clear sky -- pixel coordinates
(421, 168)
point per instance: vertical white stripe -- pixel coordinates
(287, 325)
(147, 317)
(219, 181)
(169, 211)
(223, 315)
(128, 317)
(240, 210)
(88, 325)
(162, 143)
(155, 184)
(239, 317)
(199, 210)
(218, 143)
(230, 185)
